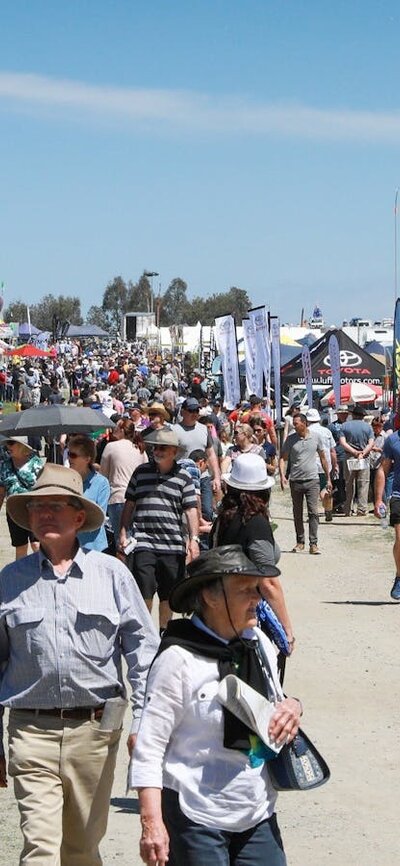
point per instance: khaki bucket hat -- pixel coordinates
(55, 481)
(163, 437)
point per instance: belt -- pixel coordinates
(66, 712)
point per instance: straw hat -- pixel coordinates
(229, 559)
(249, 472)
(20, 440)
(53, 481)
(159, 409)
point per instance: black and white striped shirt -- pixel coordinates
(160, 501)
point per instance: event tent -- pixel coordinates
(86, 331)
(27, 330)
(356, 365)
(28, 350)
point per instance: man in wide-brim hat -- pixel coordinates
(66, 614)
(158, 495)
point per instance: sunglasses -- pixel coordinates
(74, 454)
(56, 507)
(160, 447)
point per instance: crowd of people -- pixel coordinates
(173, 499)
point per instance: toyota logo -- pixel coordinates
(347, 359)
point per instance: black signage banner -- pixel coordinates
(356, 365)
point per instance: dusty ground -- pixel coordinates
(345, 670)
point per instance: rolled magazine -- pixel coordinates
(249, 706)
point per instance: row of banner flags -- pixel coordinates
(262, 351)
(261, 336)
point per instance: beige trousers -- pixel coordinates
(63, 773)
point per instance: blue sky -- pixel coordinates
(229, 142)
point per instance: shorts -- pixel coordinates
(18, 535)
(394, 511)
(157, 572)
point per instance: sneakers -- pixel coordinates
(315, 552)
(395, 591)
(328, 517)
(298, 547)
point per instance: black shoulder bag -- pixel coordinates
(299, 765)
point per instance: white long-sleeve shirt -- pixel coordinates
(180, 745)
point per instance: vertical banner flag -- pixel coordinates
(250, 355)
(334, 358)
(263, 358)
(225, 335)
(276, 364)
(396, 353)
(306, 364)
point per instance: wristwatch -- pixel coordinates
(195, 538)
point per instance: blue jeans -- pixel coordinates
(194, 845)
(114, 512)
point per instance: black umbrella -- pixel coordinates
(53, 420)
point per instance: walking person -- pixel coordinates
(202, 776)
(244, 519)
(325, 435)
(357, 439)
(19, 470)
(67, 615)
(339, 496)
(159, 495)
(119, 460)
(391, 463)
(193, 436)
(300, 450)
(82, 455)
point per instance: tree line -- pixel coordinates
(173, 307)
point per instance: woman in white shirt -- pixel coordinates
(202, 775)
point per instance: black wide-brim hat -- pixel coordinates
(229, 559)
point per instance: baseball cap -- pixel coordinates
(191, 404)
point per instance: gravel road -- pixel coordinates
(345, 669)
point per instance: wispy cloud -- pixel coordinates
(186, 110)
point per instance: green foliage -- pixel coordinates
(119, 297)
(16, 312)
(174, 303)
(65, 307)
(114, 303)
(139, 296)
(236, 302)
(97, 316)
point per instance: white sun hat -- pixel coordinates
(249, 472)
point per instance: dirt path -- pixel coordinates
(346, 672)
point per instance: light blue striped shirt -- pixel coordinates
(62, 638)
